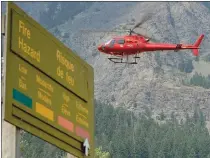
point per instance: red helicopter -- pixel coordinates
(136, 43)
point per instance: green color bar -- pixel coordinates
(22, 98)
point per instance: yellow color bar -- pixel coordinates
(42, 110)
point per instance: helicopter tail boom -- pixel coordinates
(176, 47)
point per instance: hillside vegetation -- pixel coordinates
(122, 134)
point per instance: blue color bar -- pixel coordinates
(22, 98)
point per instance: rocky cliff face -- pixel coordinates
(156, 81)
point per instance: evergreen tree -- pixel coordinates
(148, 139)
(121, 134)
(100, 154)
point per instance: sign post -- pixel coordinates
(10, 133)
(48, 89)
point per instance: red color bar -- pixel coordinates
(66, 124)
(82, 133)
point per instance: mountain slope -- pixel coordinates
(156, 81)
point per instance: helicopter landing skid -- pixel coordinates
(116, 60)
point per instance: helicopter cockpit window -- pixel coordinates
(121, 41)
(112, 43)
(108, 42)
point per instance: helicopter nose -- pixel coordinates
(101, 48)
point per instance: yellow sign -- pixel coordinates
(58, 62)
(49, 90)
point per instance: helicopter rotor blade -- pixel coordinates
(130, 31)
(150, 38)
(97, 31)
(144, 19)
